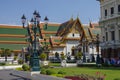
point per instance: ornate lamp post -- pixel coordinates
(34, 59)
(97, 48)
(46, 49)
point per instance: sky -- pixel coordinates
(57, 11)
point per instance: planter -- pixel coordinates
(63, 63)
(44, 63)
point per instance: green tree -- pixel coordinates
(43, 56)
(62, 56)
(6, 53)
(78, 56)
(57, 55)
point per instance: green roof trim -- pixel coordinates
(51, 28)
(11, 39)
(56, 40)
(86, 31)
(13, 46)
(47, 43)
(96, 32)
(16, 31)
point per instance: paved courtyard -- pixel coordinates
(6, 75)
(10, 74)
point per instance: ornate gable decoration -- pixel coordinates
(71, 27)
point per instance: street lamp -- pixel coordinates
(97, 49)
(46, 49)
(46, 21)
(34, 59)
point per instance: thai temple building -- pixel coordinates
(69, 38)
(12, 37)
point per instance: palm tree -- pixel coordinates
(5, 53)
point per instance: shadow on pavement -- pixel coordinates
(20, 77)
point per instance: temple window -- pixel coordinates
(73, 51)
(106, 36)
(105, 12)
(112, 10)
(112, 35)
(73, 34)
(118, 8)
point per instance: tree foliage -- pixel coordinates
(78, 56)
(57, 55)
(43, 56)
(5, 53)
(62, 56)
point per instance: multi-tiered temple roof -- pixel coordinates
(55, 35)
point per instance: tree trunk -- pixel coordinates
(5, 57)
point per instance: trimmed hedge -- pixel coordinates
(49, 72)
(2, 64)
(25, 67)
(86, 65)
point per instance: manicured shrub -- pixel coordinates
(25, 67)
(2, 64)
(78, 56)
(43, 56)
(20, 61)
(58, 75)
(43, 71)
(62, 56)
(49, 72)
(61, 72)
(86, 65)
(19, 69)
(46, 66)
(15, 57)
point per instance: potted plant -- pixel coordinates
(43, 57)
(62, 56)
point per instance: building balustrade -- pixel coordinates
(110, 44)
(110, 16)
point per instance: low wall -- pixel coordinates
(71, 64)
(9, 59)
(10, 67)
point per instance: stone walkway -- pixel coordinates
(35, 76)
(8, 73)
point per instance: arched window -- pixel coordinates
(73, 51)
(118, 8)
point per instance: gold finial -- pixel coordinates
(71, 17)
(78, 15)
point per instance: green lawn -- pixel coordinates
(111, 73)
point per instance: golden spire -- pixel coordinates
(78, 16)
(71, 18)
